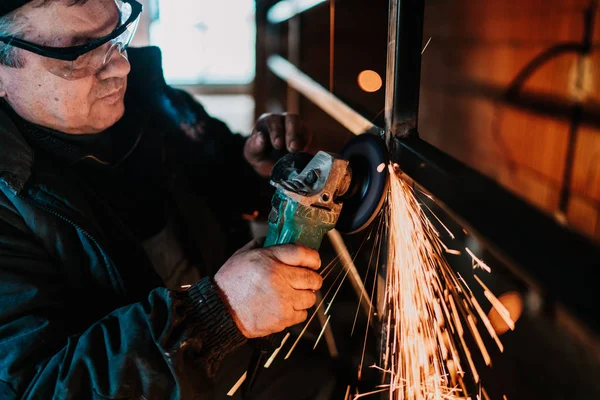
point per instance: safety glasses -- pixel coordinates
(76, 62)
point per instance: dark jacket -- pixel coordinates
(76, 325)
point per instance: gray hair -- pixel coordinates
(9, 26)
(9, 55)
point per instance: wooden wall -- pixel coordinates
(532, 126)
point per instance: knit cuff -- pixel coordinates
(212, 321)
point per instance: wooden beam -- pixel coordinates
(316, 93)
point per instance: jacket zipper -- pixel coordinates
(50, 210)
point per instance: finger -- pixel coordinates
(299, 317)
(276, 127)
(258, 146)
(304, 299)
(296, 255)
(303, 278)
(261, 123)
(293, 138)
(297, 134)
(257, 151)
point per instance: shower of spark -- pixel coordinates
(429, 312)
(428, 309)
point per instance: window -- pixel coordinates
(206, 41)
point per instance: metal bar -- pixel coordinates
(286, 9)
(293, 49)
(259, 88)
(340, 248)
(328, 332)
(316, 93)
(545, 253)
(403, 72)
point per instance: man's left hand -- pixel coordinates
(275, 134)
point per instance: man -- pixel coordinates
(116, 192)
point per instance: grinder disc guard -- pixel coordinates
(368, 158)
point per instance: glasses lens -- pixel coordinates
(93, 61)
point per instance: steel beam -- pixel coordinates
(403, 71)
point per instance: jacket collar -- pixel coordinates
(16, 156)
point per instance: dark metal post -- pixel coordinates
(293, 97)
(405, 38)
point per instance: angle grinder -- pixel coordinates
(315, 194)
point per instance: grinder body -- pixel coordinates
(306, 204)
(294, 222)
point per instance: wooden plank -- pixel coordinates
(498, 141)
(586, 171)
(521, 22)
(584, 216)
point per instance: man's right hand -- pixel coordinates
(269, 289)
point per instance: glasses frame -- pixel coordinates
(72, 53)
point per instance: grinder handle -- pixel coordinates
(285, 227)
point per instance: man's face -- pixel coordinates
(87, 105)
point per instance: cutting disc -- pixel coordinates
(368, 158)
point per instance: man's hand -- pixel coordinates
(269, 289)
(280, 132)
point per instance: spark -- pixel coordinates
(348, 262)
(362, 359)
(277, 350)
(418, 370)
(325, 271)
(237, 385)
(358, 396)
(479, 340)
(440, 221)
(289, 353)
(477, 262)
(369, 304)
(484, 393)
(429, 309)
(322, 331)
(426, 44)
(268, 363)
(450, 251)
(497, 304)
(484, 318)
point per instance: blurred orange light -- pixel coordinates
(369, 81)
(514, 304)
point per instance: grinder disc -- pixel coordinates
(368, 158)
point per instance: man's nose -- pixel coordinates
(116, 64)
